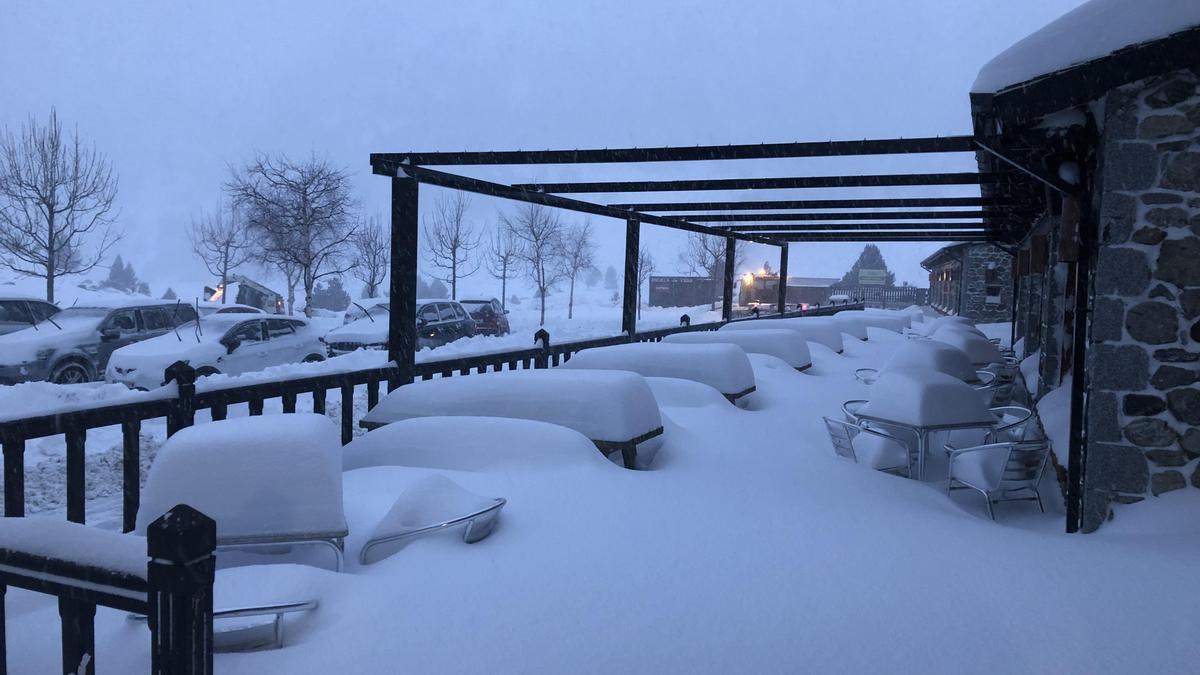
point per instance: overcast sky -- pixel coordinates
(174, 93)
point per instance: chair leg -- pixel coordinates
(988, 500)
(1038, 493)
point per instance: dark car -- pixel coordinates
(489, 316)
(18, 313)
(438, 322)
(73, 345)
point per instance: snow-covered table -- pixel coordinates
(925, 402)
(722, 366)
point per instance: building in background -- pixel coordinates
(683, 291)
(971, 280)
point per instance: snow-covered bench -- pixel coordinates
(614, 409)
(723, 367)
(788, 345)
(266, 480)
(818, 329)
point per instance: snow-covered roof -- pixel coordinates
(1088, 32)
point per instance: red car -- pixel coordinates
(489, 316)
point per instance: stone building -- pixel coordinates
(971, 280)
(1095, 136)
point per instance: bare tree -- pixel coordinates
(299, 214)
(538, 231)
(372, 248)
(645, 269)
(56, 197)
(503, 251)
(221, 240)
(291, 277)
(705, 256)
(576, 254)
(449, 240)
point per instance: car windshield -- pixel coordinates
(83, 312)
(473, 306)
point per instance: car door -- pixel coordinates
(283, 344)
(118, 329)
(428, 319)
(249, 348)
(155, 321)
(448, 327)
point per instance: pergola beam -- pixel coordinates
(894, 146)
(849, 215)
(973, 235)
(835, 227)
(905, 202)
(785, 183)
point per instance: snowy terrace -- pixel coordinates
(747, 547)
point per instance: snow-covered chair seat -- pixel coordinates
(978, 348)
(935, 356)
(723, 367)
(614, 409)
(819, 330)
(266, 481)
(1000, 470)
(871, 447)
(433, 504)
(781, 343)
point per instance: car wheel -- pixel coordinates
(71, 372)
(313, 358)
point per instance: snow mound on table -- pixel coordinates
(932, 325)
(1088, 32)
(723, 367)
(57, 538)
(784, 344)
(471, 444)
(255, 476)
(932, 355)
(820, 330)
(603, 405)
(978, 348)
(905, 317)
(892, 321)
(852, 323)
(925, 398)
(671, 392)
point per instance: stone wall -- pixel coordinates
(1143, 412)
(977, 260)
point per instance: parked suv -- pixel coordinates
(18, 313)
(232, 343)
(74, 345)
(490, 316)
(438, 322)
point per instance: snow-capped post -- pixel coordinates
(402, 326)
(781, 303)
(727, 295)
(685, 320)
(181, 545)
(542, 361)
(184, 413)
(629, 295)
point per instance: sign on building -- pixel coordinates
(872, 277)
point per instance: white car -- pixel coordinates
(220, 343)
(210, 308)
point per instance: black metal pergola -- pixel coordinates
(995, 216)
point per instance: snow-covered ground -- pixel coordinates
(748, 547)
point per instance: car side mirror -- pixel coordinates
(231, 344)
(109, 335)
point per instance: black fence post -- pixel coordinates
(727, 295)
(14, 477)
(78, 636)
(76, 475)
(781, 303)
(402, 319)
(131, 473)
(184, 414)
(180, 545)
(543, 360)
(685, 320)
(629, 298)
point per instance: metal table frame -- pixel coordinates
(922, 433)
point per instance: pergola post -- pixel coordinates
(402, 322)
(781, 304)
(629, 299)
(727, 297)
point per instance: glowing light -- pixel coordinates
(749, 278)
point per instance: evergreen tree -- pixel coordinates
(610, 278)
(871, 258)
(142, 288)
(330, 295)
(422, 288)
(438, 290)
(170, 294)
(592, 276)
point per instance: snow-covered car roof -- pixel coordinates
(28, 298)
(120, 303)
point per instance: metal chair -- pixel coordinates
(867, 375)
(998, 470)
(878, 450)
(1012, 421)
(850, 409)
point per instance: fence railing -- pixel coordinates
(173, 588)
(887, 297)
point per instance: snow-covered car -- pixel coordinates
(358, 311)
(75, 344)
(232, 344)
(17, 313)
(210, 308)
(490, 316)
(438, 322)
(839, 298)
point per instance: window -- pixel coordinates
(277, 328)
(182, 313)
(123, 321)
(248, 332)
(42, 310)
(496, 307)
(462, 313)
(991, 285)
(429, 313)
(155, 319)
(446, 311)
(14, 311)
